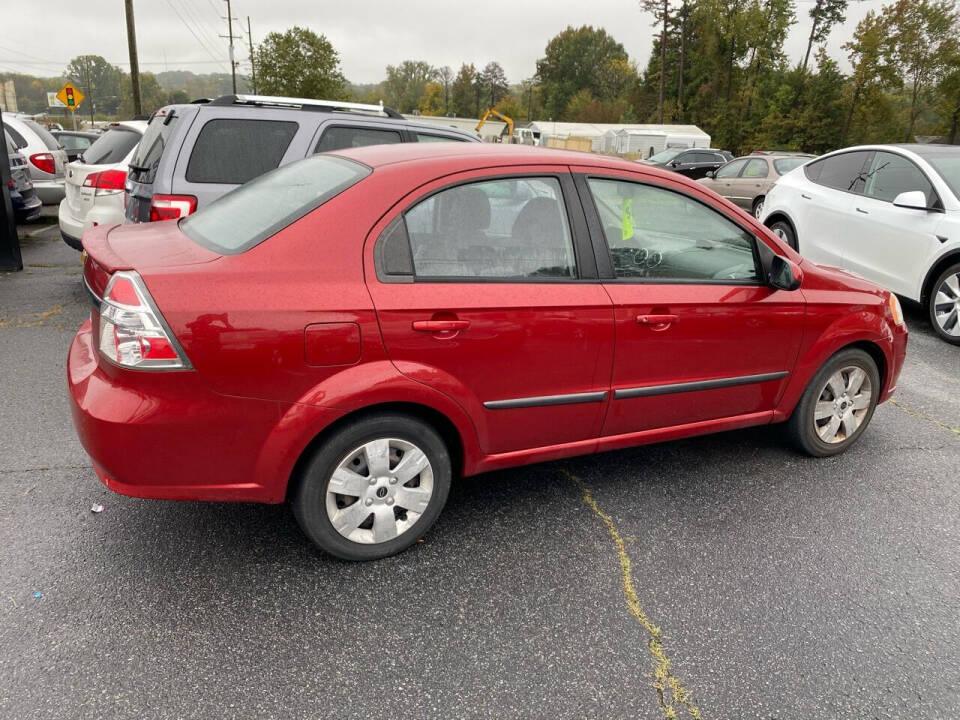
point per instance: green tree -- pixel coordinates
(299, 63)
(824, 14)
(868, 53)
(494, 81)
(99, 81)
(571, 63)
(445, 78)
(432, 101)
(406, 84)
(661, 11)
(462, 91)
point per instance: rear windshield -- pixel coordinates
(245, 217)
(143, 165)
(49, 140)
(787, 164)
(111, 147)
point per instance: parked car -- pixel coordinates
(890, 213)
(747, 180)
(94, 187)
(192, 154)
(74, 141)
(354, 329)
(23, 197)
(692, 162)
(45, 156)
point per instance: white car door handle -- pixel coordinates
(861, 210)
(804, 196)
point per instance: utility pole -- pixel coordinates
(232, 37)
(253, 67)
(134, 63)
(90, 89)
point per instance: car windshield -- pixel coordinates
(247, 216)
(947, 165)
(785, 165)
(665, 156)
(111, 147)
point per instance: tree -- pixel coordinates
(868, 54)
(445, 78)
(570, 64)
(825, 14)
(462, 91)
(494, 82)
(661, 16)
(406, 84)
(100, 81)
(432, 101)
(922, 37)
(299, 63)
(152, 96)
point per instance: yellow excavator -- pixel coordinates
(507, 128)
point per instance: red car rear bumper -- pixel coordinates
(166, 435)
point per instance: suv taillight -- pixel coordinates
(132, 333)
(106, 181)
(45, 162)
(171, 207)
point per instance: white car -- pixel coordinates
(44, 153)
(889, 213)
(94, 183)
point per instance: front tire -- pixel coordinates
(758, 207)
(837, 405)
(783, 230)
(943, 305)
(374, 487)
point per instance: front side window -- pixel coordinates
(891, 174)
(233, 151)
(731, 169)
(841, 172)
(250, 214)
(665, 236)
(506, 229)
(756, 168)
(424, 137)
(665, 156)
(343, 138)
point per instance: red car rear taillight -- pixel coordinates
(106, 181)
(132, 333)
(45, 162)
(171, 207)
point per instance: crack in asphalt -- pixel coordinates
(664, 679)
(31, 319)
(927, 418)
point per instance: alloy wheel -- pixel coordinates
(946, 308)
(379, 490)
(758, 211)
(842, 405)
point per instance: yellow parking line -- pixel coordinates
(665, 682)
(927, 418)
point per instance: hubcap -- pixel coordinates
(780, 234)
(842, 405)
(379, 490)
(758, 210)
(946, 305)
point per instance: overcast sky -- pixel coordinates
(368, 35)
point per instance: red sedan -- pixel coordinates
(352, 331)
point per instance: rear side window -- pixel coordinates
(343, 138)
(49, 140)
(17, 138)
(111, 147)
(143, 166)
(253, 212)
(233, 151)
(842, 172)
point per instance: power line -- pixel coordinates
(177, 13)
(201, 26)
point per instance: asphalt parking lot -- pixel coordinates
(718, 577)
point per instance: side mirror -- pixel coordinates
(711, 173)
(784, 274)
(674, 163)
(912, 200)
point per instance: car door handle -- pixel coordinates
(861, 210)
(804, 196)
(656, 319)
(440, 325)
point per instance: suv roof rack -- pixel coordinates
(304, 104)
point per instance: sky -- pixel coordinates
(369, 35)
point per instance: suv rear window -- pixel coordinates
(111, 147)
(247, 216)
(49, 140)
(143, 166)
(233, 151)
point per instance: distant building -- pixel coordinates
(623, 138)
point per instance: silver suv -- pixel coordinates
(192, 154)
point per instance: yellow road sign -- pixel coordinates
(70, 96)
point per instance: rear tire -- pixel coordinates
(945, 295)
(783, 230)
(374, 487)
(837, 405)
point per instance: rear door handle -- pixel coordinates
(861, 210)
(656, 319)
(440, 325)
